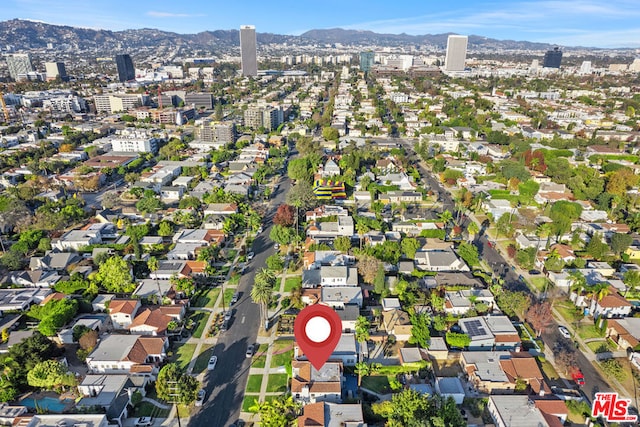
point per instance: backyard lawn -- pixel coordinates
(277, 383)
(203, 359)
(377, 383)
(183, 355)
(200, 320)
(292, 282)
(254, 383)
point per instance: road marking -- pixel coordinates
(242, 321)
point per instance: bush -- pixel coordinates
(613, 368)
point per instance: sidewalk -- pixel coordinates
(204, 339)
(268, 340)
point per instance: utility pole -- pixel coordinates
(174, 394)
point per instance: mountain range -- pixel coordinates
(25, 34)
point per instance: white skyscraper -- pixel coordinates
(248, 50)
(456, 53)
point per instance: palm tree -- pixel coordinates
(544, 230)
(578, 281)
(153, 265)
(265, 277)
(446, 217)
(362, 369)
(261, 295)
(472, 230)
(362, 229)
(632, 279)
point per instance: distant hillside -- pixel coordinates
(30, 34)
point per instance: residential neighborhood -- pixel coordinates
(476, 231)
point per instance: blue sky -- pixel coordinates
(614, 23)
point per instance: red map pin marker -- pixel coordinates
(317, 329)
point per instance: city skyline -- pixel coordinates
(589, 23)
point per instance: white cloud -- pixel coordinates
(157, 14)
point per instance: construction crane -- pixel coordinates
(5, 110)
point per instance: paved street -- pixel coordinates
(225, 385)
(594, 381)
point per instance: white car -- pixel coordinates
(212, 363)
(250, 256)
(144, 422)
(564, 332)
(201, 395)
(227, 315)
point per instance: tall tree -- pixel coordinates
(620, 242)
(50, 374)
(285, 215)
(362, 329)
(420, 334)
(174, 385)
(115, 275)
(631, 279)
(540, 316)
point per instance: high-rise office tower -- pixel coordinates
(126, 70)
(55, 70)
(367, 60)
(456, 53)
(248, 50)
(19, 63)
(552, 58)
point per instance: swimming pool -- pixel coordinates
(52, 404)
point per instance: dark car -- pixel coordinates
(235, 298)
(534, 272)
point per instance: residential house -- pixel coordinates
(123, 311)
(332, 276)
(610, 306)
(412, 356)
(349, 314)
(220, 209)
(397, 323)
(111, 393)
(171, 194)
(484, 371)
(53, 260)
(325, 414)
(490, 332)
(345, 352)
(439, 260)
(329, 169)
(76, 239)
(625, 332)
(521, 411)
(450, 387)
(155, 321)
(316, 259)
(497, 208)
(401, 179)
(338, 297)
(403, 196)
(460, 302)
(123, 354)
(101, 301)
(309, 385)
(343, 226)
(21, 299)
(36, 279)
(59, 420)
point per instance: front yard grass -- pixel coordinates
(260, 358)
(183, 355)
(539, 283)
(254, 383)
(200, 320)
(292, 282)
(569, 311)
(206, 297)
(248, 402)
(282, 353)
(588, 331)
(277, 383)
(148, 409)
(228, 294)
(203, 359)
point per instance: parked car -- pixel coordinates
(260, 229)
(250, 256)
(235, 298)
(225, 326)
(564, 331)
(213, 360)
(276, 246)
(227, 315)
(201, 395)
(250, 350)
(144, 422)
